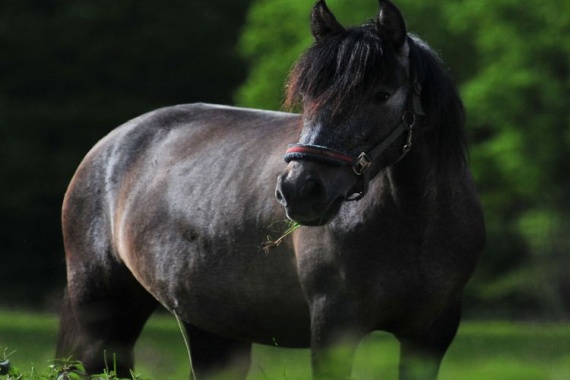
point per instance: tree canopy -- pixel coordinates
(511, 61)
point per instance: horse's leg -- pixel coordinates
(421, 355)
(212, 354)
(334, 338)
(101, 319)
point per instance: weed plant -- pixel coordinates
(64, 369)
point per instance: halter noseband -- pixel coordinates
(361, 163)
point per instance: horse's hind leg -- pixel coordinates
(421, 355)
(215, 355)
(102, 317)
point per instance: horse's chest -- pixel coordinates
(396, 269)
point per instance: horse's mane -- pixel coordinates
(334, 69)
(443, 106)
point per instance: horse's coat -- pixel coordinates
(172, 208)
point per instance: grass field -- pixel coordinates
(482, 350)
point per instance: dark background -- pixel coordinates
(72, 70)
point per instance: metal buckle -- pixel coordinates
(363, 161)
(408, 144)
(409, 118)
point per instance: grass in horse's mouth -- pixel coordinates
(290, 225)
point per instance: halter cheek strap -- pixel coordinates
(361, 163)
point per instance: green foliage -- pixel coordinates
(517, 101)
(284, 228)
(64, 369)
(511, 62)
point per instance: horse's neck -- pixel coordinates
(438, 191)
(414, 177)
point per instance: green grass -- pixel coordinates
(482, 350)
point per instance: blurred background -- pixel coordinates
(72, 70)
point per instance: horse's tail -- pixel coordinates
(68, 334)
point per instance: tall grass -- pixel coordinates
(482, 350)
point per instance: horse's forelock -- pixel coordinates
(337, 69)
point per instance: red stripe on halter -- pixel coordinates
(322, 151)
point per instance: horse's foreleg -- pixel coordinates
(214, 355)
(334, 338)
(421, 355)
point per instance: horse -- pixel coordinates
(172, 209)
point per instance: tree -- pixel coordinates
(511, 62)
(518, 99)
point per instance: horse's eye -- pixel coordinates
(381, 96)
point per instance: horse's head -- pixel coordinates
(359, 105)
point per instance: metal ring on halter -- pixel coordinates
(410, 123)
(405, 119)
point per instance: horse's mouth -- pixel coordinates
(314, 215)
(310, 223)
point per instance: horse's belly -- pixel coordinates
(259, 310)
(280, 322)
(235, 292)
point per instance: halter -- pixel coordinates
(360, 164)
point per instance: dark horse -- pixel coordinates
(172, 207)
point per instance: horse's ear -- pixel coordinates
(391, 25)
(323, 22)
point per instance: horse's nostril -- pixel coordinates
(279, 196)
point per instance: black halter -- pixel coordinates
(361, 163)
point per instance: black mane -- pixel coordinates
(441, 101)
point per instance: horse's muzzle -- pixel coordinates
(307, 199)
